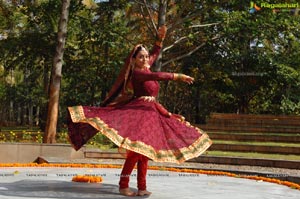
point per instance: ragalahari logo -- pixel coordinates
(292, 8)
(253, 7)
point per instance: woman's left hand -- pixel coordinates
(183, 78)
(162, 30)
(188, 79)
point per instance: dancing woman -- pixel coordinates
(133, 119)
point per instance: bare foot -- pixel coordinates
(143, 193)
(127, 192)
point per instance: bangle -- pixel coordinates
(158, 43)
(178, 76)
(175, 77)
(161, 38)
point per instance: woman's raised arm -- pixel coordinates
(158, 44)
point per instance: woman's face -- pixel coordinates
(142, 59)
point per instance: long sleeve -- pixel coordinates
(145, 82)
(147, 75)
(154, 54)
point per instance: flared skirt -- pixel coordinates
(140, 126)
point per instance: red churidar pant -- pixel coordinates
(142, 164)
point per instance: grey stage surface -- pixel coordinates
(56, 183)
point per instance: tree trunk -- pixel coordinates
(19, 120)
(243, 105)
(30, 114)
(11, 111)
(24, 114)
(37, 116)
(43, 109)
(162, 13)
(197, 103)
(52, 116)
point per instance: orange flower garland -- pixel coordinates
(86, 178)
(99, 179)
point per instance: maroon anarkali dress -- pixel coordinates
(142, 125)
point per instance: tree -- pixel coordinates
(242, 61)
(52, 116)
(254, 62)
(29, 38)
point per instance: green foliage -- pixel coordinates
(290, 106)
(11, 137)
(246, 62)
(27, 136)
(24, 136)
(102, 142)
(18, 135)
(257, 60)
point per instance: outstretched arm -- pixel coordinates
(141, 76)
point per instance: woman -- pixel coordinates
(134, 120)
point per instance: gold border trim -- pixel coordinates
(179, 156)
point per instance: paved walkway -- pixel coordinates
(16, 183)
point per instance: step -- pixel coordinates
(254, 137)
(250, 129)
(255, 148)
(248, 161)
(255, 117)
(104, 154)
(255, 122)
(212, 159)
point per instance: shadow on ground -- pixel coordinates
(59, 189)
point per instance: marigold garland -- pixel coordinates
(99, 179)
(87, 178)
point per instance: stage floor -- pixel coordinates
(35, 182)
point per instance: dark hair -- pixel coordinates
(138, 49)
